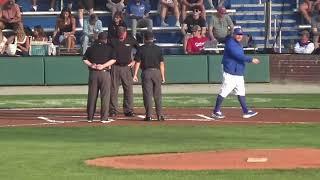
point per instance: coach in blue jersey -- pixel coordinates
(234, 62)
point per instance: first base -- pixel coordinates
(257, 160)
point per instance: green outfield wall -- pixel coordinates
(21, 71)
(70, 70)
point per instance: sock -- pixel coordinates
(81, 22)
(35, 7)
(242, 100)
(219, 101)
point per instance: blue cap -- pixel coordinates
(238, 31)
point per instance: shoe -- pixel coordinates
(112, 114)
(147, 118)
(249, 114)
(34, 8)
(177, 24)
(105, 121)
(51, 9)
(130, 114)
(161, 118)
(90, 121)
(217, 115)
(163, 24)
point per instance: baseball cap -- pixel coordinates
(238, 31)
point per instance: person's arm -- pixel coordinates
(298, 49)
(147, 9)
(309, 49)
(189, 47)
(184, 29)
(73, 20)
(162, 71)
(89, 64)
(230, 23)
(238, 54)
(24, 47)
(106, 65)
(136, 70)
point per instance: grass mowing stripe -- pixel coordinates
(58, 153)
(169, 100)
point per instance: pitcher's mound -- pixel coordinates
(217, 160)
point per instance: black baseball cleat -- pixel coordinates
(129, 114)
(161, 118)
(147, 119)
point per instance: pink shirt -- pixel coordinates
(195, 45)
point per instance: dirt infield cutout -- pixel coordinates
(217, 160)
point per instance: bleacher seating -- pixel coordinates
(247, 13)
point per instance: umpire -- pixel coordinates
(99, 57)
(121, 72)
(149, 58)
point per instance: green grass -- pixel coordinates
(169, 100)
(59, 153)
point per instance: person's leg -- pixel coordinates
(304, 9)
(52, 5)
(183, 12)
(85, 42)
(147, 91)
(127, 85)
(203, 11)
(163, 13)
(34, 5)
(157, 95)
(68, 43)
(176, 13)
(104, 94)
(92, 95)
(134, 27)
(228, 85)
(115, 83)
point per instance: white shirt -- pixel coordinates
(306, 49)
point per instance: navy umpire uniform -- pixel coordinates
(150, 59)
(121, 72)
(99, 58)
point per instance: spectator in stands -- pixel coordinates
(3, 41)
(189, 22)
(39, 34)
(53, 4)
(196, 44)
(10, 16)
(304, 45)
(23, 42)
(91, 29)
(221, 25)
(138, 12)
(307, 8)
(34, 5)
(165, 6)
(192, 4)
(215, 3)
(315, 27)
(115, 5)
(65, 29)
(117, 21)
(82, 5)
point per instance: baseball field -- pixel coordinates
(46, 137)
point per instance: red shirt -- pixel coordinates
(195, 45)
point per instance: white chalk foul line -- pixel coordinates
(55, 121)
(206, 117)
